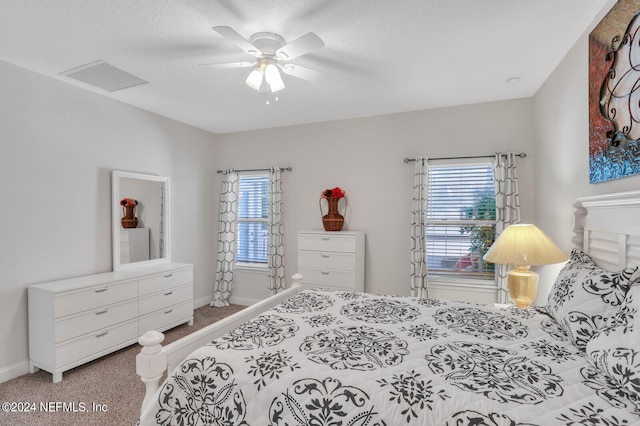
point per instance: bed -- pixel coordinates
(312, 356)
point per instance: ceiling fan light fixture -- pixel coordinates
(254, 80)
(273, 77)
(269, 49)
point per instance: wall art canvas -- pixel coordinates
(614, 94)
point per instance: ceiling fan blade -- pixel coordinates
(231, 35)
(299, 47)
(302, 72)
(226, 65)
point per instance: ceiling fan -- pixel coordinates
(272, 55)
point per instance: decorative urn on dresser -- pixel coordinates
(333, 220)
(129, 219)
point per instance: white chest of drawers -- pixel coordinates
(76, 320)
(332, 259)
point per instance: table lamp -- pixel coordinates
(523, 245)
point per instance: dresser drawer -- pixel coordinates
(88, 321)
(94, 297)
(165, 281)
(325, 242)
(165, 299)
(91, 344)
(166, 317)
(327, 260)
(338, 279)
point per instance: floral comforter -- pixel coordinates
(344, 358)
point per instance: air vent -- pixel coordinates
(104, 76)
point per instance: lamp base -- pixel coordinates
(523, 286)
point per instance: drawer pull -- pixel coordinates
(326, 256)
(324, 272)
(169, 293)
(102, 312)
(101, 290)
(169, 311)
(168, 275)
(102, 334)
(325, 237)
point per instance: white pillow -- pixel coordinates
(615, 350)
(584, 296)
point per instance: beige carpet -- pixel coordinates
(110, 382)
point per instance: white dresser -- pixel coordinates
(77, 320)
(332, 259)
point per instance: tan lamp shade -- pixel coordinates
(524, 244)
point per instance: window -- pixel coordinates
(253, 219)
(461, 217)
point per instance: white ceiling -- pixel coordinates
(380, 56)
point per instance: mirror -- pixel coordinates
(140, 220)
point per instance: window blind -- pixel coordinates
(253, 218)
(461, 217)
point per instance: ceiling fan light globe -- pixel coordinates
(273, 78)
(276, 88)
(254, 80)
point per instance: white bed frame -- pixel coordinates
(154, 359)
(607, 227)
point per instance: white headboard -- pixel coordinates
(607, 227)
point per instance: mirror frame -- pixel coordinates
(116, 215)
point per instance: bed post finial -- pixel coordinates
(151, 363)
(297, 279)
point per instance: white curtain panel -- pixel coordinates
(418, 229)
(227, 230)
(507, 208)
(276, 234)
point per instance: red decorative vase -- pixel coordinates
(129, 219)
(333, 220)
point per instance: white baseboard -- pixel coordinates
(13, 371)
(244, 301)
(203, 301)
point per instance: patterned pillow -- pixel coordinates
(584, 296)
(615, 350)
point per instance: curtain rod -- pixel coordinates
(408, 160)
(282, 169)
